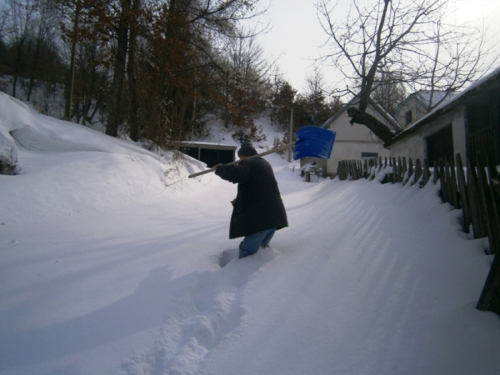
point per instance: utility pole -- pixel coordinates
(291, 135)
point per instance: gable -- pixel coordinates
(341, 123)
(415, 106)
(346, 131)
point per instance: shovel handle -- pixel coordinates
(272, 151)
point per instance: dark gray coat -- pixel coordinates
(258, 205)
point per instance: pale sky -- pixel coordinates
(296, 34)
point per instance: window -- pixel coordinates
(369, 155)
(409, 117)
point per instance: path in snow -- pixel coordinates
(208, 313)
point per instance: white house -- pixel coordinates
(466, 124)
(417, 105)
(354, 141)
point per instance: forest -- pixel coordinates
(150, 70)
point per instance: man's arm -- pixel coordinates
(235, 173)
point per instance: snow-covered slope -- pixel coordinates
(112, 261)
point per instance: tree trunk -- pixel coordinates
(71, 73)
(377, 127)
(16, 69)
(119, 70)
(135, 132)
(33, 68)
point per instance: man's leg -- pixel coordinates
(252, 242)
(268, 238)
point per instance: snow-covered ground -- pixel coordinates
(112, 261)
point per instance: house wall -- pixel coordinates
(353, 140)
(414, 146)
(414, 106)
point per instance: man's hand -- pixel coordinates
(217, 166)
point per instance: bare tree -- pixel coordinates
(21, 14)
(4, 17)
(82, 28)
(45, 32)
(133, 116)
(390, 92)
(407, 38)
(72, 64)
(119, 67)
(245, 82)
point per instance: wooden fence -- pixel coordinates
(473, 188)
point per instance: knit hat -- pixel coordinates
(246, 149)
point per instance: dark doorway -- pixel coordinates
(440, 145)
(483, 124)
(210, 154)
(213, 157)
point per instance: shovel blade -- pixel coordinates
(313, 141)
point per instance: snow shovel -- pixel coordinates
(312, 141)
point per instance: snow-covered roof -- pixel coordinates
(425, 99)
(433, 97)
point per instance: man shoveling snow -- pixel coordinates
(258, 210)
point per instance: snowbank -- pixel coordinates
(35, 132)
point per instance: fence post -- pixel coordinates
(436, 172)
(418, 170)
(486, 205)
(489, 299)
(477, 214)
(410, 171)
(448, 183)
(427, 173)
(394, 171)
(404, 170)
(490, 295)
(454, 188)
(442, 180)
(492, 211)
(462, 188)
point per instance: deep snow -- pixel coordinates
(113, 262)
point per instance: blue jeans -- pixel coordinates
(252, 242)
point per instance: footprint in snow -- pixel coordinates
(209, 313)
(224, 258)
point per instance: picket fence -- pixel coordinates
(475, 189)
